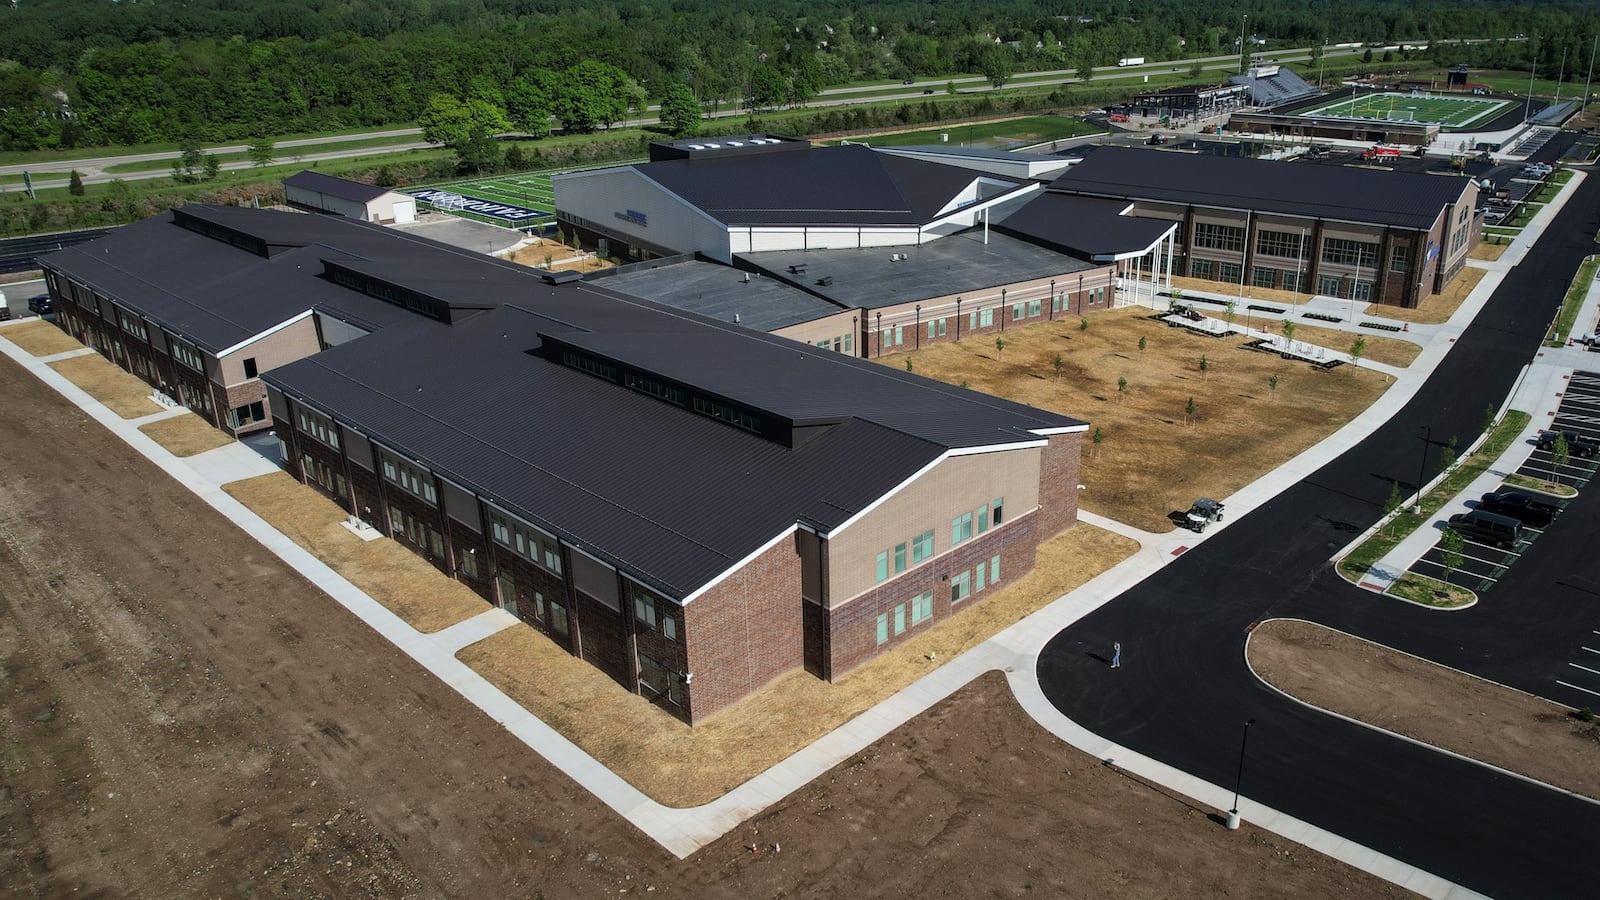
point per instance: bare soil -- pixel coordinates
(103, 380)
(181, 715)
(682, 766)
(1154, 458)
(185, 435)
(1433, 704)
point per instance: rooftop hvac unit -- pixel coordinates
(825, 280)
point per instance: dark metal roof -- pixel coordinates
(1083, 226)
(335, 187)
(851, 185)
(1397, 199)
(959, 263)
(723, 293)
(974, 152)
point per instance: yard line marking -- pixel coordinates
(1576, 688)
(1585, 668)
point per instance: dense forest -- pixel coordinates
(97, 72)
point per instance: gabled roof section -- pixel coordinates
(847, 186)
(341, 188)
(1095, 228)
(1397, 199)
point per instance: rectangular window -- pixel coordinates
(652, 675)
(250, 367)
(899, 619)
(899, 558)
(1035, 307)
(883, 567)
(1229, 272)
(507, 587)
(413, 480)
(849, 339)
(538, 604)
(972, 321)
(669, 628)
(1341, 251)
(1400, 258)
(1294, 281)
(1264, 276)
(1019, 311)
(942, 327)
(1202, 268)
(985, 317)
(1218, 237)
(979, 572)
(922, 607)
(552, 556)
(1286, 244)
(558, 618)
(435, 543)
(319, 428)
(899, 335)
(998, 505)
(922, 547)
(397, 521)
(994, 569)
(883, 628)
(188, 356)
(960, 587)
(644, 610)
(469, 565)
(961, 528)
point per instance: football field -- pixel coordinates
(1456, 112)
(528, 198)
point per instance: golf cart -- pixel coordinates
(1202, 513)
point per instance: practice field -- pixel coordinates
(1456, 112)
(526, 192)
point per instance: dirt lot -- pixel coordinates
(1154, 458)
(180, 715)
(1421, 700)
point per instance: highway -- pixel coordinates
(1184, 689)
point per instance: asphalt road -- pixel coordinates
(1184, 690)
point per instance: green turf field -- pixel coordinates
(1457, 112)
(529, 189)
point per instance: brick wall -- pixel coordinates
(605, 642)
(463, 543)
(1058, 484)
(744, 632)
(852, 629)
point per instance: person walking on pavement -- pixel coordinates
(1116, 654)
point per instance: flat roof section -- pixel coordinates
(723, 293)
(342, 188)
(1397, 199)
(960, 263)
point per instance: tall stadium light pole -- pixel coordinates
(1533, 71)
(1562, 75)
(1243, 21)
(1592, 48)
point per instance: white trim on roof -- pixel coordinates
(733, 568)
(269, 332)
(882, 498)
(1065, 429)
(994, 448)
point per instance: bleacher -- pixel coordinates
(1271, 86)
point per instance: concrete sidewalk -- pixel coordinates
(1013, 651)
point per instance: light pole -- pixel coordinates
(958, 318)
(1238, 781)
(919, 327)
(1422, 472)
(880, 335)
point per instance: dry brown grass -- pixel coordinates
(40, 338)
(1439, 307)
(1251, 292)
(185, 435)
(1152, 462)
(1489, 251)
(682, 766)
(534, 254)
(403, 582)
(120, 392)
(1387, 350)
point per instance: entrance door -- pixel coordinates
(506, 587)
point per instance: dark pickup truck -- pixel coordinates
(1535, 512)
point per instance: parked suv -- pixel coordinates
(1487, 528)
(1535, 512)
(1577, 444)
(41, 305)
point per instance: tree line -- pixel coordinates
(92, 73)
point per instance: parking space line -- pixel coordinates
(1590, 649)
(1576, 688)
(1585, 668)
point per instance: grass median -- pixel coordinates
(1356, 563)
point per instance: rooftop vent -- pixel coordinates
(825, 281)
(565, 277)
(797, 270)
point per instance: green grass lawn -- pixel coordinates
(1005, 135)
(282, 155)
(531, 189)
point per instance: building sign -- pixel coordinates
(449, 201)
(634, 216)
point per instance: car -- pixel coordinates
(909, 81)
(1156, 140)
(1487, 528)
(1588, 339)
(1535, 512)
(927, 90)
(1577, 444)
(41, 305)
